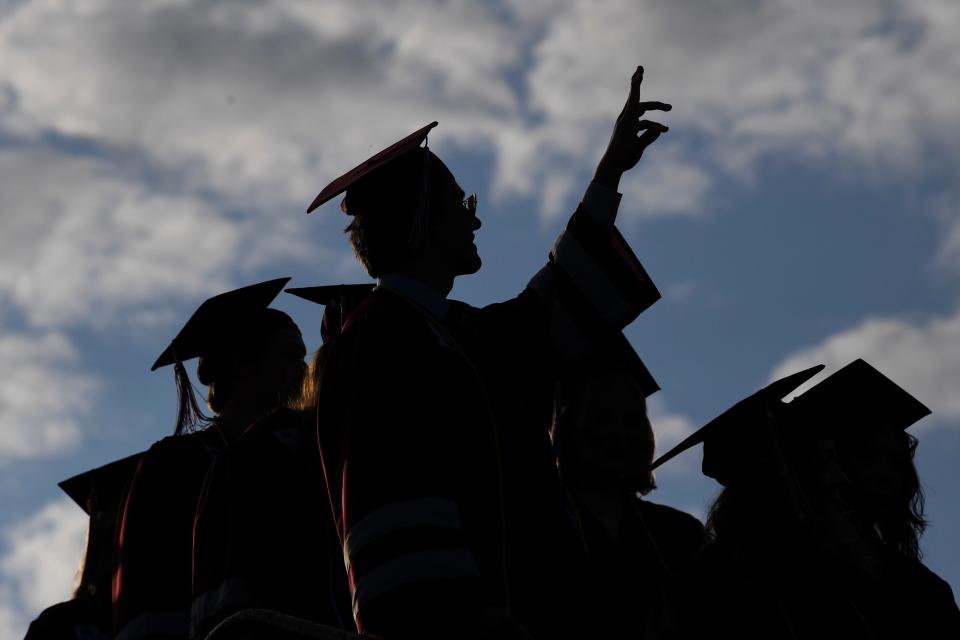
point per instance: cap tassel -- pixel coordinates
(418, 231)
(189, 416)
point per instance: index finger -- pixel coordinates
(635, 80)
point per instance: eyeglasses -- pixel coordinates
(470, 204)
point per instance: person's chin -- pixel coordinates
(471, 264)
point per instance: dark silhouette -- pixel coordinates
(866, 415)
(771, 569)
(88, 614)
(605, 445)
(251, 357)
(263, 537)
(816, 531)
(264, 542)
(435, 415)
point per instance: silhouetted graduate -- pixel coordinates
(789, 558)
(605, 446)
(435, 415)
(88, 614)
(251, 358)
(264, 537)
(866, 415)
(770, 571)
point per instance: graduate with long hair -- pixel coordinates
(252, 361)
(264, 536)
(867, 416)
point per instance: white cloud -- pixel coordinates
(43, 398)
(40, 562)
(11, 625)
(248, 108)
(922, 357)
(263, 102)
(666, 187)
(553, 195)
(80, 242)
(260, 101)
(863, 82)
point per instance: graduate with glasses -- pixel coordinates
(435, 414)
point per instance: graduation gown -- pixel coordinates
(152, 582)
(799, 596)
(434, 439)
(263, 536)
(631, 570)
(909, 602)
(76, 619)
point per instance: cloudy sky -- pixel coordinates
(803, 208)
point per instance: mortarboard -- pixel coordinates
(213, 327)
(730, 439)
(624, 353)
(101, 488)
(217, 320)
(394, 151)
(613, 353)
(339, 299)
(858, 397)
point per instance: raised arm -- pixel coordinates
(594, 285)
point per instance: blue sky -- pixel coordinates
(803, 208)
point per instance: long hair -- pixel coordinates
(902, 530)
(99, 558)
(778, 493)
(309, 398)
(190, 417)
(217, 367)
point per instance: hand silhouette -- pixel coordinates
(631, 135)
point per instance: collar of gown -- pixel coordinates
(419, 292)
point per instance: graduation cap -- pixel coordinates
(626, 357)
(391, 153)
(731, 439)
(859, 398)
(612, 354)
(217, 320)
(216, 325)
(395, 182)
(339, 299)
(102, 488)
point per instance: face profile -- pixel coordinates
(453, 236)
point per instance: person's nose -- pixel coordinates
(475, 223)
